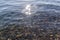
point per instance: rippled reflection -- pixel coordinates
(27, 10)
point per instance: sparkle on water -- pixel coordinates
(28, 9)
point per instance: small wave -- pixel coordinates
(10, 13)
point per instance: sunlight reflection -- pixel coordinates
(28, 9)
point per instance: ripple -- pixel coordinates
(11, 12)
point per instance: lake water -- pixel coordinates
(21, 12)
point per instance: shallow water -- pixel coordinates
(13, 12)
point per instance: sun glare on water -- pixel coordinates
(27, 10)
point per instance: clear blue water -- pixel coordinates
(11, 11)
